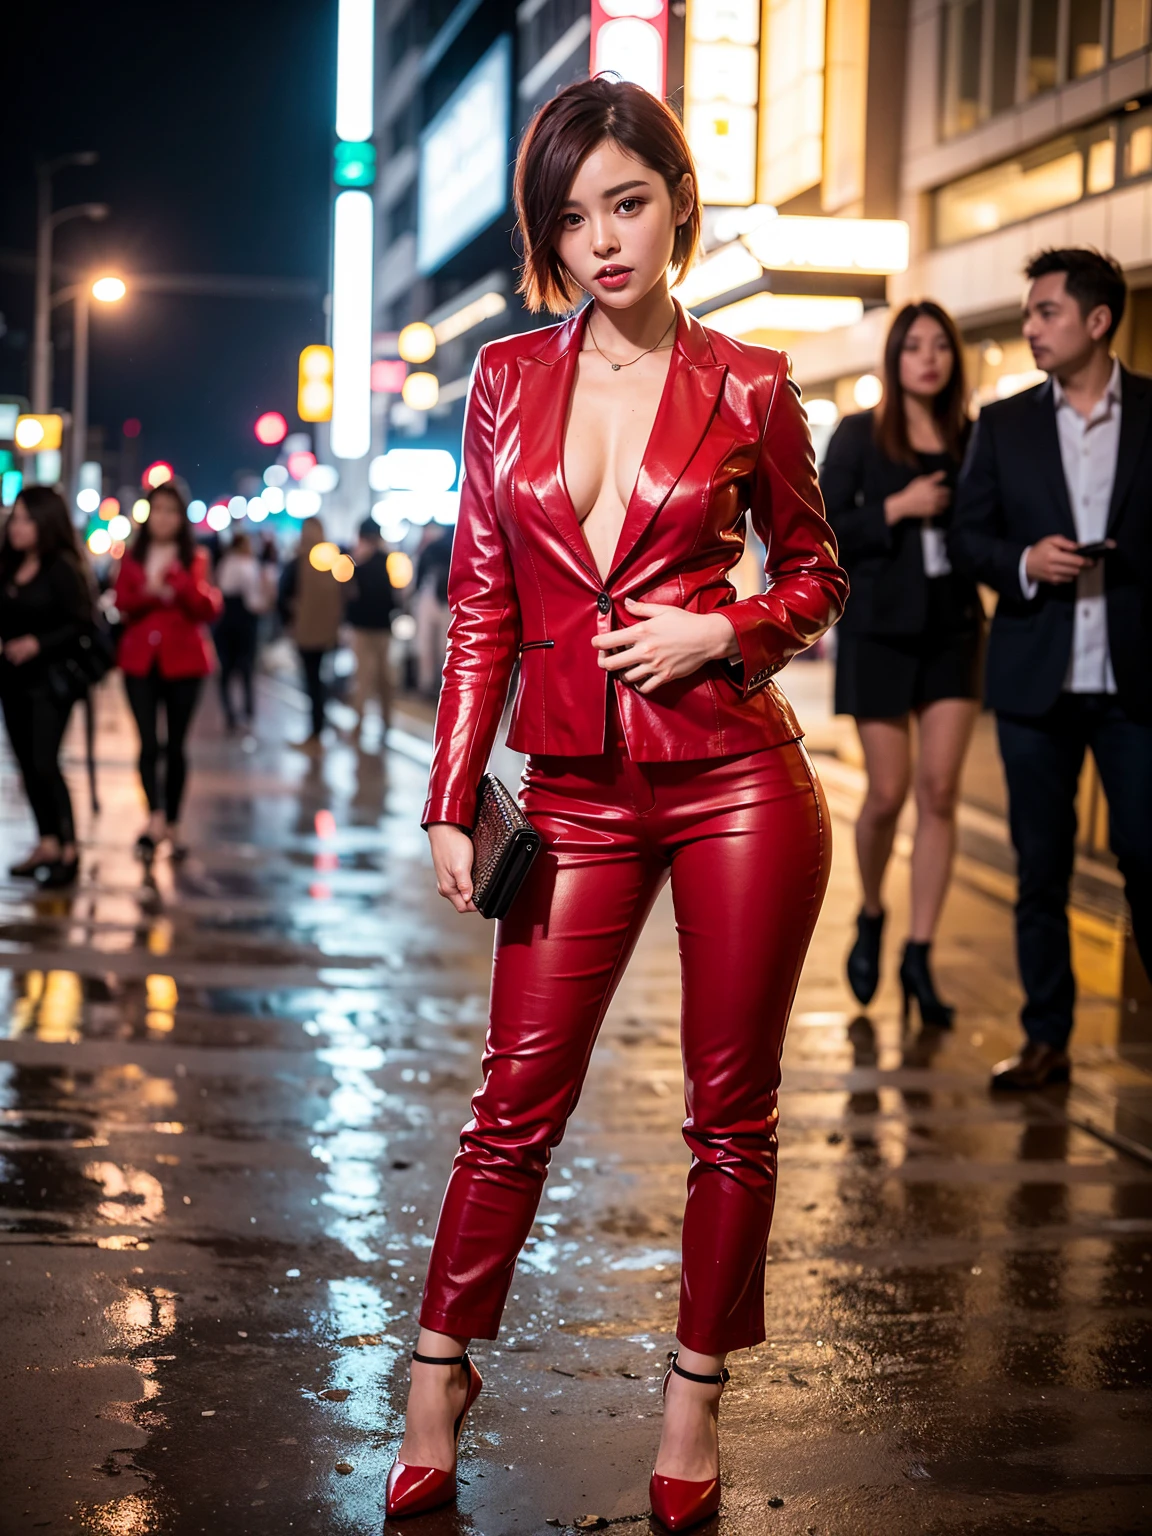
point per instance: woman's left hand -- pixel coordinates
(667, 643)
(22, 649)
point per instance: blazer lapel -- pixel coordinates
(545, 390)
(1050, 458)
(1135, 419)
(686, 408)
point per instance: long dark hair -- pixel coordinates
(55, 536)
(185, 543)
(556, 143)
(950, 405)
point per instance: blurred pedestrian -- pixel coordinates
(166, 601)
(370, 610)
(909, 643)
(45, 604)
(241, 582)
(312, 603)
(1054, 510)
(432, 613)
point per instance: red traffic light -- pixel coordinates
(271, 428)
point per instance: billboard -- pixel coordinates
(464, 155)
(630, 38)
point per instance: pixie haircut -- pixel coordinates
(556, 143)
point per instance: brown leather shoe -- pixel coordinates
(1036, 1066)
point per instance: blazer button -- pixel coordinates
(604, 602)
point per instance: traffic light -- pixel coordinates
(39, 434)
(355, 165)
(314, 395)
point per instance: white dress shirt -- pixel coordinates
(1088, 450)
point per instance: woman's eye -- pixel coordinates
(570, 220)
(628, 205)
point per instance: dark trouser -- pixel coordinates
(36, 722)
(236, 648)
(1043, 756)
(178, 696)
(314, 683)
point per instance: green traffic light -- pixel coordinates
(355, 165)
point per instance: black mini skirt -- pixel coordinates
(883, 677)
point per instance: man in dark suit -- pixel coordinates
(1054, 511)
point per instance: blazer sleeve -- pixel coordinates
(860, 527)
(806, 587)
(484, 633)
(194, 594)
(978, 542)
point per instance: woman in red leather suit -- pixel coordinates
(658, 747)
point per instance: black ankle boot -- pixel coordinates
(916, 981)
(864, 957)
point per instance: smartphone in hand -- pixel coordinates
(1095, 551)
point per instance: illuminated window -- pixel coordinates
(1085, 37)
(1138, 151)
(1129, 26)
(1101, 175)
(1043, 57)
(792, 89)
(1019, 189)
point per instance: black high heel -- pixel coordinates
(916, 982)
(55, 874)
(864, 957)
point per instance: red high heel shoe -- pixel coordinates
(413, 1490)
(677, 1503)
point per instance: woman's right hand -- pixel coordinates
(926, 496)
(452, 854)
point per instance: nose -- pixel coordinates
(604, 239)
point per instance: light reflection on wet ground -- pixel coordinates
(229, 1095)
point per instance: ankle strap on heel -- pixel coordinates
(440, 1359)
(721, 1380)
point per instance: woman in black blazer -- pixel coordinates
(910, 639)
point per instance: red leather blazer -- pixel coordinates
(730, 436)
(167, 632)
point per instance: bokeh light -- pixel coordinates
(197, 511)
(323, 556)
(218, 517)
(99, 541)
(345, 568)
(119, 528)
(300, 463)
(271, 428)
(87, 500)
(399, 568)
(276, 474)
(109, 508)
(416, 342)
(421, 391)
(237, 507)
(140, 510)
(156, 474)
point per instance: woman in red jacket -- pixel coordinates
(610, 463)
(166, 600)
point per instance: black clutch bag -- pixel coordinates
(505, 844)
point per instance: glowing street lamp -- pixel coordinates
(109, 290)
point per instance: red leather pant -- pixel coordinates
(746, 840)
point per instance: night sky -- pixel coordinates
(213, 124)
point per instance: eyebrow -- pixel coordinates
(623, 186)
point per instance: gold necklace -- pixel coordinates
(616, 367)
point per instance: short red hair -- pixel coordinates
(558, 140)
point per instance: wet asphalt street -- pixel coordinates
(229, 1096)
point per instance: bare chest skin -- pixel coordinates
(610, 417)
